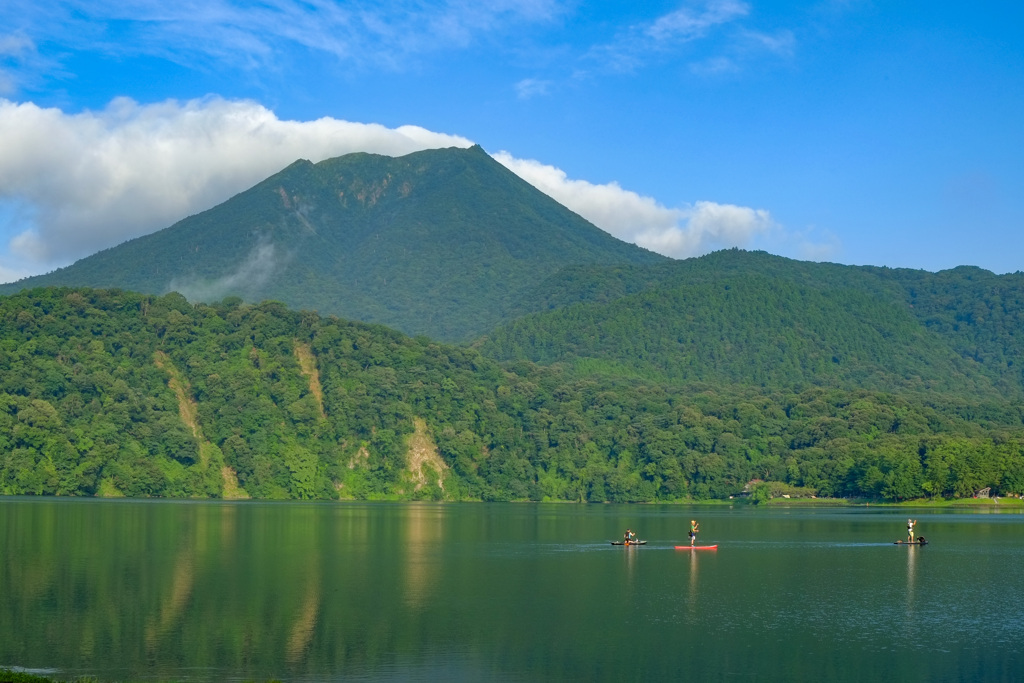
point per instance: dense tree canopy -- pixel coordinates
(104, 392)
(756, 319)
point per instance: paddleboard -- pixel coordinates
(909, 543)
(630, 543)
(697, 547)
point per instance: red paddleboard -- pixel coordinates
(697, 547)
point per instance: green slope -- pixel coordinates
(758, 319)
(114, 393)
(440, 242)
(979, 314)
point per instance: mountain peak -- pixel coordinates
(439, 242)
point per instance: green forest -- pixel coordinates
(110, 393)
(752, 318)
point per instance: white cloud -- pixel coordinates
(710, 225)
(95, 179)
(675, 232)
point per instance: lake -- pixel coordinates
(211, 591)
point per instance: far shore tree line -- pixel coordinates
(104, 392)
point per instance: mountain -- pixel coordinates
(440, 242)
(754, 318)
(451, 245)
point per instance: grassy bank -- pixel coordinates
(995, 503)
(991, 503)
(10, 676)
(807, 502)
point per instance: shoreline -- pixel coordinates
(995, 503)
(18, 675)
(982, 503)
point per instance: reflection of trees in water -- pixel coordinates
(133, 584)
(305, 623)
(193, 544)
(144, 589)
(303, 596)
(290, 591)
(113, 579)
(171, 607)
(424, 532)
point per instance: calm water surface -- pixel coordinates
(198, 591)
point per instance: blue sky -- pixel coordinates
(857, 132)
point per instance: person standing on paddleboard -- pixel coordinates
(693, 531)
(910, 530)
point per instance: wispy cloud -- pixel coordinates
(641, 43)
(247, 278)
(714, 66)
(20, 62)
(253, 35)
(780, 42)
(687, 23)
(87, 181)
(532, 87)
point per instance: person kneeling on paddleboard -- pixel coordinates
(629, 537)
(693, 531)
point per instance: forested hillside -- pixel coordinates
(754, 318)
(114, 393)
